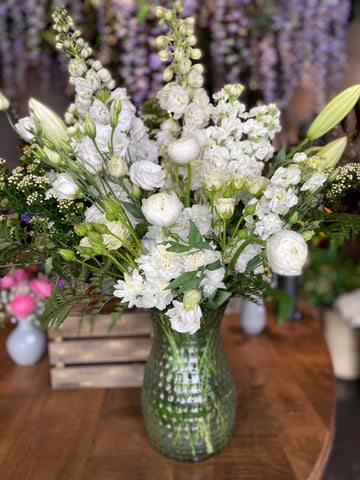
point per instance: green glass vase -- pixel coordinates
(188, 392)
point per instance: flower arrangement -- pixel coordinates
(178, 210)
(23, 293)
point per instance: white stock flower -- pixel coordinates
(315, 181)
(286, 176)
(77, 67)
(286, 252)
(174, 99)
(184, 150)
(162, 209)
(23, 127)
(184, 321)
(83, 88)
(64, 187)
(129, 289)
(249, 252)
(99, 113)
(196, 116)
(147, 175)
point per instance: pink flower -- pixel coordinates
(7, 281)
(41, 287)
(22, 305)
(13, 278)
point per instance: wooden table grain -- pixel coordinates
(283, 430)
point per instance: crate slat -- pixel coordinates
(97, 376)
(131, 323)
(100, 350)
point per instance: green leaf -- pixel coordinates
(135, 210)
(220, 297)
(194, 235)
(214, 266)
(284, 303)
(193, 284)
(178, 248)
(141, 228)
(183, 279)
(204, 246)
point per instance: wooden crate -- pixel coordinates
(93, 357)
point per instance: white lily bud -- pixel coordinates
(4, 102)
(53, 128)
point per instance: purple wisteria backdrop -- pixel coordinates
(273, 47)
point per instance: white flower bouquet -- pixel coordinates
(178, 209)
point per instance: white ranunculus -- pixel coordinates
(162, 209)
(184, 321)
(286, 252)
(64, 187)
(184, 150)
(23, 127)
(147, 175)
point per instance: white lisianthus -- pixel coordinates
(93, 214)
(117, 167)
(115, 239)
(162, 209)
(184, 150)
(184, 321)
(216, 179)
(64, 187)
(24, 127)
(147, 175)
(130, 288)
(224, 207)
(286, 252)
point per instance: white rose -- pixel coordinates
(162, 209)
(184, 150)
(147, 175)
(184, 321)
(64, 187)
(23, 127)
(286, 252)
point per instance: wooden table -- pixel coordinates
(283, 430)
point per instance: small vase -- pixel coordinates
(26, 344)
(253, 316)
(188, 392)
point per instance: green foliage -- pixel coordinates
(337, 226)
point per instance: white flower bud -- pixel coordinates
(159, 11)
(168, 74)
(184, 150)
(225, 207)
(195, 53)
(162, 41)
(163, 55)
(191, 40)
(53, 128)
(191, 298)
(4, 102)
(117, 167)
(185, 66)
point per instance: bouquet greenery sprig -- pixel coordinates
(177, 210)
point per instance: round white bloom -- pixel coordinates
(147, 175)
(23, 127)
(300, 157)
(162, 209)
(184, 321)
(224, 207)
(184, 150)
(83, 88)
(77, 67)
(160, 263)
(286, 252)
(286, 176)
(130, 288)
(155, 295)
(196, 116)
(64, 187)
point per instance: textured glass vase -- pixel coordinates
(188, 393)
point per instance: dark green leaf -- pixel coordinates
(194, 234)
(181, 280)
(135, 210)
